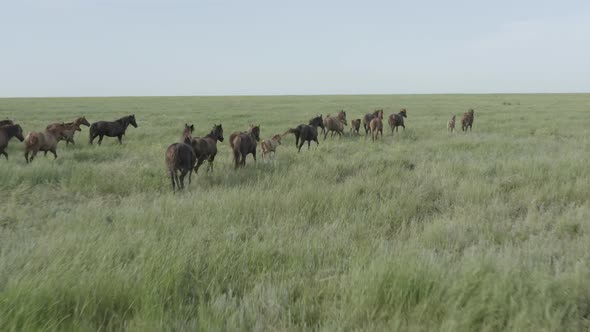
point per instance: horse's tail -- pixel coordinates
(92, 132)
(31, 139)
(291, 131)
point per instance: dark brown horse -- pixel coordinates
(115, 128)
(335, 124)
(355, 126)
(6, 122)
(206, 147)
(467, 120)
(187, 132)
(367, 119)
(244, 144)
(397, 120)
(7, 132)
(180, 157)
(307, 132)
(69, 135)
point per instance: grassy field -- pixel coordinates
(425, 231)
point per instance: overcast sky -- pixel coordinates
(178, 47)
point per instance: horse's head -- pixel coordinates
(82, 121)
(277, 138)
(18, 132)
(318, 121)
(218, 132)
(255, 131)
(403, 112)
(471, 111)
(190, 128)
(132, 121)
(342, 117)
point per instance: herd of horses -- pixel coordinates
(191, 152)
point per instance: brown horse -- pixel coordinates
(187, 132)
(270, 145)
(115, 128)
(397, 120)
(69, 136)
(42, 141)
(6, 122)
(180, 157)
(376, 126)
(7, 132)
(67, 129)
(451, 124)
(244, 144)
(206, 147)
(307, 132)
(467, 120)
(370, 116)
(335, 124)
(355, 126)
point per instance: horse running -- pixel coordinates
(7, 132)
(42, 141)
(206, 147)
(451, 124)
(306, 132)
(115, 128)
(397, 120)
(335, 124)
(367, 119)
(467, 120)
(270, 145)
(69, 134)
(180, 157)
(245, 143)
(376, 126)
(355, 126)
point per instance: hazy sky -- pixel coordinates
(178, 47)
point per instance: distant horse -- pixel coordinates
(368, 117)
(307, 132)
(376, 126)
(316, 122)
(397, 120)
(335, 124)
(180, 157)
(467, 120)
(7, 132)
(244, 144)
(43, 141)
(6, 122)
(451, 124)
(115, 128)
(187, 132)
(270, 145)
(69, 135)
(355, 126)
(206, 147)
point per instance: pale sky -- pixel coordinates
(255, 47)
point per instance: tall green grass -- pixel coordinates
(425, 230)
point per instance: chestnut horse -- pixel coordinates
(245, 143)
(355, 126)
(187, 132)
(69, 135)
(7, 132)
(270, 145)
(467, 120)
(335, 124)
(376, 126)
(43, 141)
(367, 119)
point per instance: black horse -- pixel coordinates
(307, 132)
(111, 129)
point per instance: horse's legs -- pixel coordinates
(404, 126)
(45, 153)
(210, 166)
(119, 137)
(27, 156)
(54, 153)
(71, 140)
(254, 155)
(171, 172)
(299, 147)
(182, 175)
(296, 139)
(100, 139)
(33, 154)
(199, 163)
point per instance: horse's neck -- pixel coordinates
(123, 122)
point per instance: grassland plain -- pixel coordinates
(426, 231)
